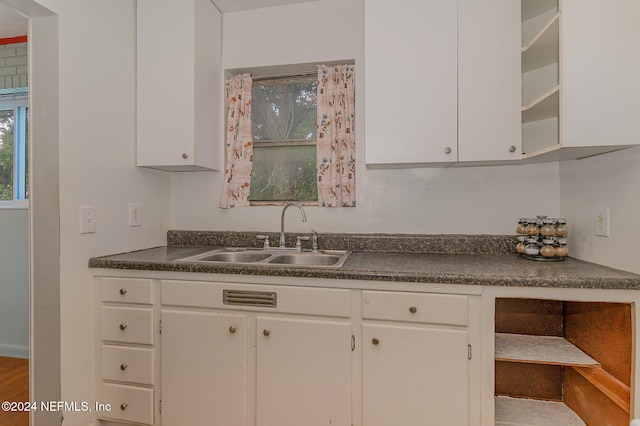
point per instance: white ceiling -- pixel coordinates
(12, 23)
(238, 5)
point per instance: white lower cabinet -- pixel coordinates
(303, 372)
(416, 359)
(252, 354)
(203, 368)
(414, 375)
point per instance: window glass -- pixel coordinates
(13, 150)
(283, 116)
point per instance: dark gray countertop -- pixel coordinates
(498, 267)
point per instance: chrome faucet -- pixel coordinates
(304, 219)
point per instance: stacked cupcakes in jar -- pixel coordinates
(542, 238)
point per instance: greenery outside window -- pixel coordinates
(283, 116)
(14, 188)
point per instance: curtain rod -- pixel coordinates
(286, 76)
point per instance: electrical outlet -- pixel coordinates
(601, 221)
(135, 218)
(87, 219)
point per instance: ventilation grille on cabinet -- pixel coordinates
(249, 298)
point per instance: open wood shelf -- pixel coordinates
(530, 412)
(543, 49)
(546, 106)
(550, 350)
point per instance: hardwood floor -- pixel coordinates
(14, 387)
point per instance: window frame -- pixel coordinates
(285, 79)
(18, 101)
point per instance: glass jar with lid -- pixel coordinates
(561, 228)
(548, 229)
(521, 229)
(561, 248)
(548, 249)
(532, 228)
(522, 244)
(532, 247)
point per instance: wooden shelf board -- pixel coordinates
(545, 106)
(543, 49)
(613, 388)
(540, 350)
(529, 412)
(531, 8)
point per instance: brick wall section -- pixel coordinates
(13, 65)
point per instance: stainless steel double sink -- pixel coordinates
(274, 257)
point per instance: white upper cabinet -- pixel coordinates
(580, 64)
(410, 81)
(442, 81)
(179, 85)
(489, 126)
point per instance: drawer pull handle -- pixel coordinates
(123, 326)
(124, 406)
(266, 332)
(375, 341)
(123, 291)
(413, 309)
(232, 329)
(123, 366)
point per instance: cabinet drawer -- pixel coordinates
(285, 299)
(124, 364)
(128, 403)
(130, 325)
(126, 290)
(415, 307)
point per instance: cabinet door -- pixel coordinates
(415, 376)
(410, 52)
(179, 85)
(303, 372)
(203, 368)
(489, 80)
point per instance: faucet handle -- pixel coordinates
(266, 241)
(299, 242)
(314, 240)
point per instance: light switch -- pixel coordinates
(87, 219)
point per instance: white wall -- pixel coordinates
(473, 200)
(14, 283)
(97, 167)
(609, 180)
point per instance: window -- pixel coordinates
(283, 116)
(13, 150)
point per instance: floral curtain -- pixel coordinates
(336, 142)
(239, 145)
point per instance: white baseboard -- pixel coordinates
(14, 351)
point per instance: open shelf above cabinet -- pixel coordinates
(543, 49)
(546, 106)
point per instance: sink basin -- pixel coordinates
(273, 257)
(305, 259)
(235, 257)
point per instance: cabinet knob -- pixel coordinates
(123, 326)
(375, 341)
(185, 155)
(123, 291)
(447, 150)
(124, 406)
(512, 148)
(232, 329)
(123, 366)
(413, 309)
(266, 332)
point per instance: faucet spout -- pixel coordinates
(304, 219)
